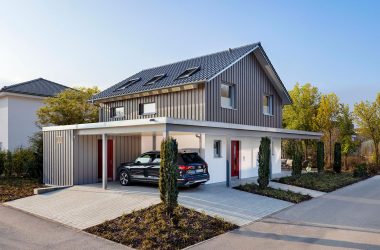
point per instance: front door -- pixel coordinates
(235, 161)
(109, 159)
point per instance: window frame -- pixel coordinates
(232, 88)
(190, 72)
(155, 79)
(141, 109)
(127, 84)
(270, 105)
(113, 113)
(217, 142)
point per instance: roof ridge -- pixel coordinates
(196, 57)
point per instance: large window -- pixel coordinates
(117, 112)
(227, 95)
(147, 108)
(217, 149)
(268, 105)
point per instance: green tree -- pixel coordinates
(326, 119)
(301, 114)
(337, 157)
(168, 174)
(297, 161)
(346, 132)
(264, 162)
(320, 156)
(367, 116)
(71, 106)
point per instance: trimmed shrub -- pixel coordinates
(360, 170)
(297, 162)
(23, 160)
(36, 146)
(320, 156)
(264, 162)
(8, 164)
(3, 155)
(169, 174)
(337, 158)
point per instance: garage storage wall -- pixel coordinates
(58, 157)
(125, 148)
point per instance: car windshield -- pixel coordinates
(191, 158)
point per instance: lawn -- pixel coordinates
(324, 182)
(274, 193)
(12, 188)
(151, 228)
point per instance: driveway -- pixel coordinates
(345, 219)
(88, 205)
(19, 230)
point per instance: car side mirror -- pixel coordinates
(138, 162)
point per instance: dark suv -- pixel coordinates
(192, 169)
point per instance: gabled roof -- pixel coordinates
(209, 67)
(37, 87)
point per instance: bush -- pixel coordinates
(337, 158)
(297, 162)
(36, 146)
(23, 160)
(3, 155)
(264, 162)
(361, 171)
(373, 169)
(168, 174)
(8, 164)
(320, 156)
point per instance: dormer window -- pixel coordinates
(155, 79)
(188, 72)
(128, 83)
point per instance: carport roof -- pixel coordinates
(167, 124)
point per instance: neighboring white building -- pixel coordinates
(18, 106)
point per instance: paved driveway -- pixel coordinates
(88, 205)
(348, 218)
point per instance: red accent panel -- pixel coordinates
(235, 158)
(109, 159)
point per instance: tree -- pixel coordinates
(346, 132)
(71, 106)
(367, 116)
(301, 114)
(168, 174)
(297, 161)
(264, 162)
(326, 119)
(320, 156)
(337, 157)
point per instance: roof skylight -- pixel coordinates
(155, 79)
(128, 83)
(188, 72)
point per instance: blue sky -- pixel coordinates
(332, 44)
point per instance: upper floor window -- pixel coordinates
(117, 112)
(227, 95)
(147, 108)
(127, 84)
(155, 79)
(188, 72)
(268, 105)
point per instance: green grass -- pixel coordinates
(152, 228)
(324, 182)
(12, 188)
(274, 193)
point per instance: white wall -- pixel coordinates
(3, 123)
(22, 118)
(249, 148)
(216, 166)
(185, 142)
(276, 155)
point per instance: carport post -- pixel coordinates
(104, 161)
(228, 161)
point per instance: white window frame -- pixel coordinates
(114, 112)
(143, 108)
(270, 105)
(232, 98)
(216, 142)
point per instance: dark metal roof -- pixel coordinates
(37, 87)
(210, 65)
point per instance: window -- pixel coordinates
(147, 108)
(155, 79)
(188, 72)
(227, 95)
(143, 159)
(117, 112)
(268, 105)
(128, 83)
(217, 149)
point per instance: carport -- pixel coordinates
(80, 154)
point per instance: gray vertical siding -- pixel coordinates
(251, 84)
(58, 157)
(186, 104)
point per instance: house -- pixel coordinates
(220, 105)
(18, 106)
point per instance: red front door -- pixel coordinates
(109, 159)
(235, 161)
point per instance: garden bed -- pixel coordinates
(285, 195)
(151, 228)
(12, 188)
(324, 182)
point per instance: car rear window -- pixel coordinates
(190, 158)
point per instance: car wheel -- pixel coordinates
(195, 185)
(124, 178)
